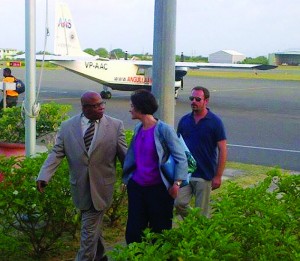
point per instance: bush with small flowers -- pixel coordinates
(35, 222)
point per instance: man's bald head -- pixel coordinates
(93, 106)
(85, 97)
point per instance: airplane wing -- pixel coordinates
(178, 65)
(147, 64)
(196, 65)
(144, 64)
(226, 66)
(40, 57)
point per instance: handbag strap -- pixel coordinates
(163, 143)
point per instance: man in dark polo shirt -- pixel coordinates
(204, 134)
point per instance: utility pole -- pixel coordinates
(30, 92)
(163, 74)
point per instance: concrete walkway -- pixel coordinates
(231, 173)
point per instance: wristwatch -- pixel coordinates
(178, 183)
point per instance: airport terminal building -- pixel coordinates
(285, 58)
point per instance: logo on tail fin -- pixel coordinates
(64, 23)
(66, 42)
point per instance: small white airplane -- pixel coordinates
(123, 75)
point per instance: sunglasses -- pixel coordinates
(198, 99)
(94, 106)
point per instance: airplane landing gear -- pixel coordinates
(105, 94)
(176, 93)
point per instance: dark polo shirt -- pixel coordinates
(202, 139)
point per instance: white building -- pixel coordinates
(226, 56)
(7, 53)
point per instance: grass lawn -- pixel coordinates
(284, 73)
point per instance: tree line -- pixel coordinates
(121, 54)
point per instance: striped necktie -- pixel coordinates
(89, 134)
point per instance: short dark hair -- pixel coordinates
(144, 101)
(205, 91)
(7, 70)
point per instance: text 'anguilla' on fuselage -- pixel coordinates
(96, 65)
(134, 79)
(139, 79)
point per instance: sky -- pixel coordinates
(251, 27)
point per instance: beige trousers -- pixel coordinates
(198, 187)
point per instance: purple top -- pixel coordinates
(147, 166)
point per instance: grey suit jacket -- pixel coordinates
(93, 174)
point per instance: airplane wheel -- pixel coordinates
(176, 94)
(103, 94)
(108, 95)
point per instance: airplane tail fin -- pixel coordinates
(66, 41)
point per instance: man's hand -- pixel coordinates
(216, 182)
(40, 185)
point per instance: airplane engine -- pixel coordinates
(180, 73)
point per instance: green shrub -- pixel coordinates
(37, 222)
(40, 223)
(12, 124)
(258, 223)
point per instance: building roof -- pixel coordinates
(294, 52)
(232, 52)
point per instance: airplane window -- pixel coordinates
(141, 71)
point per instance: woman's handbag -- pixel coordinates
(168, 167)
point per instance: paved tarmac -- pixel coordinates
(262, 117)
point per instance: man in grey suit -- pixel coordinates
(92, 164)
